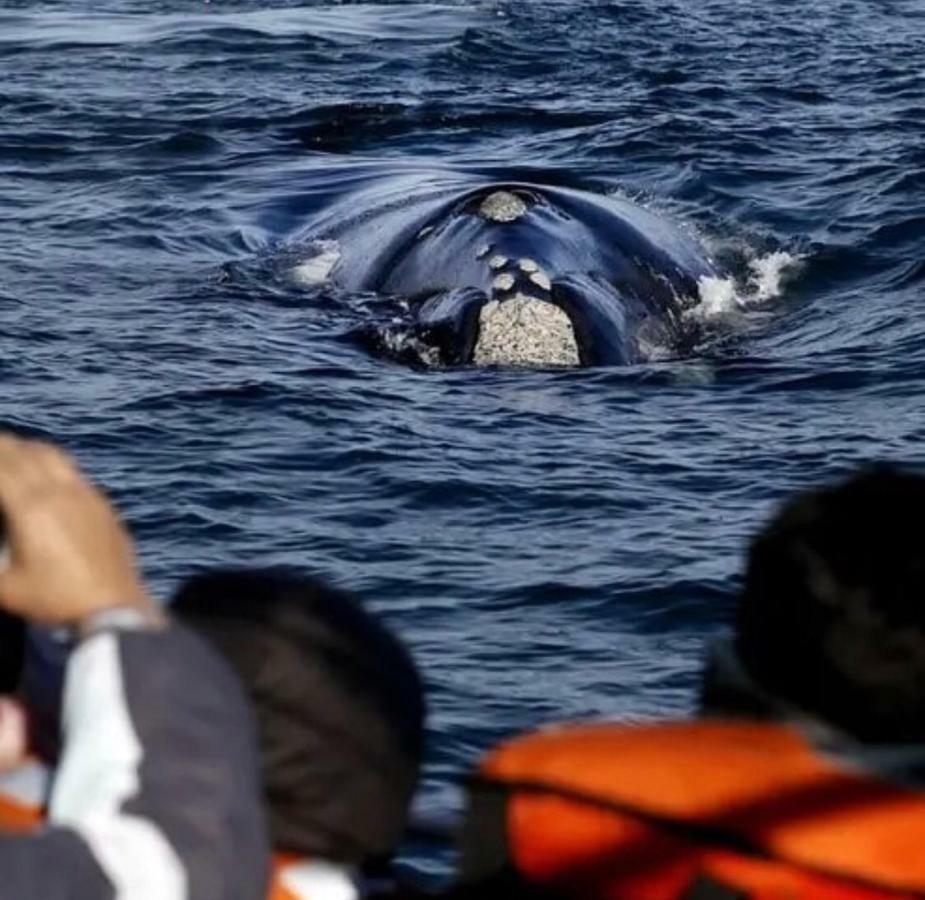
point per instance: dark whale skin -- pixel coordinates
(618, 270)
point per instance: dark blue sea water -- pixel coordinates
(552, 543)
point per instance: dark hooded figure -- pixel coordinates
(804, 775)
(340, 719)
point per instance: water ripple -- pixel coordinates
(553, 544)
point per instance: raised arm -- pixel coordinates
(157, 794)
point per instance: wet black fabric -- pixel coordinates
(485, 848)
(831, 618)
(12, 648)
(706, 888)
(196, 784)
(54, 865)
(339, 705)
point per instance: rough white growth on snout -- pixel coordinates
(317, 269)
(525, 331)
(497, 262)
(528, 266)
(502, 206)
(541, 279)
(503, 282)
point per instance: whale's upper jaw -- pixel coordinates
(528, 320)
(525, 331)
(537, 316)
(580, 322)
(520, 325)
(513, 309)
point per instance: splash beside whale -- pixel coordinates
(517, 273)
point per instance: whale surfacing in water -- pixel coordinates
(524, 275)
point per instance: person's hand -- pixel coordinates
(69, 555)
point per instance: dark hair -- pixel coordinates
(832, 618)
(338, 701)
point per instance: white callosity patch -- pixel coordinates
(317, 268)
(541, 280)
(497, 262)
(504, 282)
(399, 341)
(525, 331)
(528, 266)
(502, 206)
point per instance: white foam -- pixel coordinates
(401, 342)
(317, 268)
(723, 296)
(768, 272)
(720, 297)
(717, 296)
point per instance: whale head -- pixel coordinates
(527, 311)
(578, 322)
(525, 275)
(525, 304)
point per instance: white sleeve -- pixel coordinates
(157, 795)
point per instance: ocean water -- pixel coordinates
(553, 544)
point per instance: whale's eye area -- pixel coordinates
(525, 331)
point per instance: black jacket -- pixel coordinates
(157, 794)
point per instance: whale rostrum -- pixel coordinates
(525, 331)
(518, 274)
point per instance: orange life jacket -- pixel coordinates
(22, 797)
(22, 809)
(689, 809)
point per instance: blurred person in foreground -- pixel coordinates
(340, 715)
(155, 795)
(339, 709)
(804, 776)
